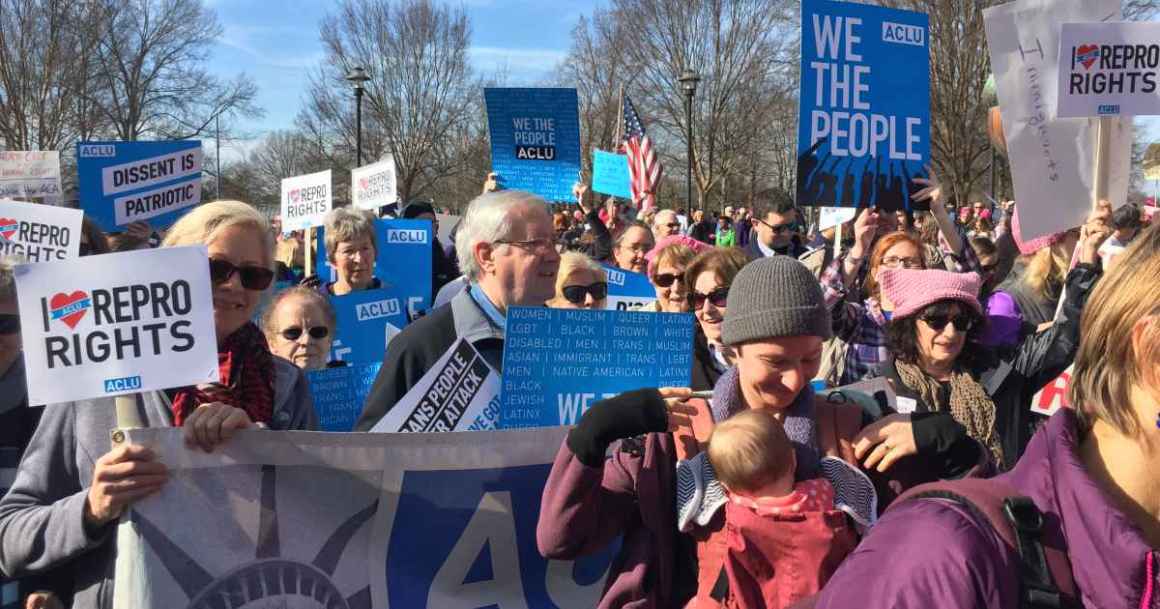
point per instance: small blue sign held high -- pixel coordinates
(610, 174)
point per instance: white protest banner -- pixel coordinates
(39, 233)
(29, 174)
(459, 393)
(1109, 69)
(373, 186)
(349, 521)
(306, 200)
(1052, 160)
(117, 324)
(1053, 396)
(833, 216)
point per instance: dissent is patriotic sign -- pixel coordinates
(349, 521)
(864, 118)
(126, 182)
(117, 324)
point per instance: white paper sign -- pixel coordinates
(117, 323)
(1053, 396)
(306, 200)
(1109, 69)
(833, 216)
(459, 393)
(373, 186)
(39, 233)
(28, 174)
(1052, 160)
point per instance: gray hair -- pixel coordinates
(8, 277)
(664, 213)
(306, 294)
(347, 224)
(488, 219)
(631, 225)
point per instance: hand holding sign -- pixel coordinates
(1093, 234)
(212, 424)
(121, 476)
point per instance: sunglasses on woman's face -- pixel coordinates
(317, 332)
(962, 323)
(253, 277)
(665, 280)
(576, 294)
(717, 297)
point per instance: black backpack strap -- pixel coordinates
(1021, 526)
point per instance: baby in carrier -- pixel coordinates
(785, 539)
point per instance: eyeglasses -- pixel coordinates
(576, 294)
(665, 280)
(906, 263)
(9, 323)
(253, 277)
(674, 225)
(777, 228)
(535, 246)
(962, 323)
(717, 298)
(316, 332)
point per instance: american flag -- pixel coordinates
(643, 165)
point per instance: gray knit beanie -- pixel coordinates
(774, 297)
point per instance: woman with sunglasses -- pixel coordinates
(299, 325)
(709, 276)
(666, 270)
(580, 283)
(70, 490)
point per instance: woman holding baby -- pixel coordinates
(776, 323)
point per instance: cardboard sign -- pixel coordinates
(535, 140)
(459, 393)
(39, 233)
(1053, 396)
(306, 200)
(350, 521)
(367, 321)
(126, 182)
(403, 261)
(373, 186)
(117, 323)
(1109, 69)
(610, 174)
(627, 290)
(864, 118)
(30, 174)
(339, 394)
(1052, 160)
(833, 216)
(558, 362)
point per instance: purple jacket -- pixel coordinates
(897, 566)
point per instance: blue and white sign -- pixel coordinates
(126, 182)
(627, 290)
(402, 263)
(558, 362)
(367, 321)
(535, 140)
(610, 174)
(339, 394)
(864, 118)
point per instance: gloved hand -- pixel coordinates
(623, 416)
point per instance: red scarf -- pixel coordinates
(247, 379)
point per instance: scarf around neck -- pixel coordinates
(246, 370)
(969, 403)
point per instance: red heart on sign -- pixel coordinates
(294, 196)
(61, 300)
(8, 227)
(1087, 54)
(363, 183)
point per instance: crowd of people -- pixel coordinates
(773, 492)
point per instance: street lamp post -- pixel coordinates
(357, 76)
(689, 80)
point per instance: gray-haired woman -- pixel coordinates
(351, 248)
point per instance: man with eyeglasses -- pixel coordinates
(774, 220)
(506, 246)
(666, 223)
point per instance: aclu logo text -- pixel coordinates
(409, 236)
(93, 151)
(377, 309)
(128, 383)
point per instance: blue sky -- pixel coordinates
(275, 43)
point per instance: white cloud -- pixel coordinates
(522, 64)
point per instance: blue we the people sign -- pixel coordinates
(125, 182)
(558, 362)
(402, 263)
(864, 111)
(535, 139)
(339, 394)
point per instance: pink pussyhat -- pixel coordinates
(912, 290)
(689, 242)
(1036, 244)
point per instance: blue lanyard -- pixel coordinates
(492, 313)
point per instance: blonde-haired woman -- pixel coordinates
(580, 283)
(1089, 479)
(70, 489)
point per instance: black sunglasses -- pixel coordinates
(718, 297)
(9, 323)
(777, 228)
(253, 277)
(962, 323)
(665, 280)
(317, 332)
(576, 294)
